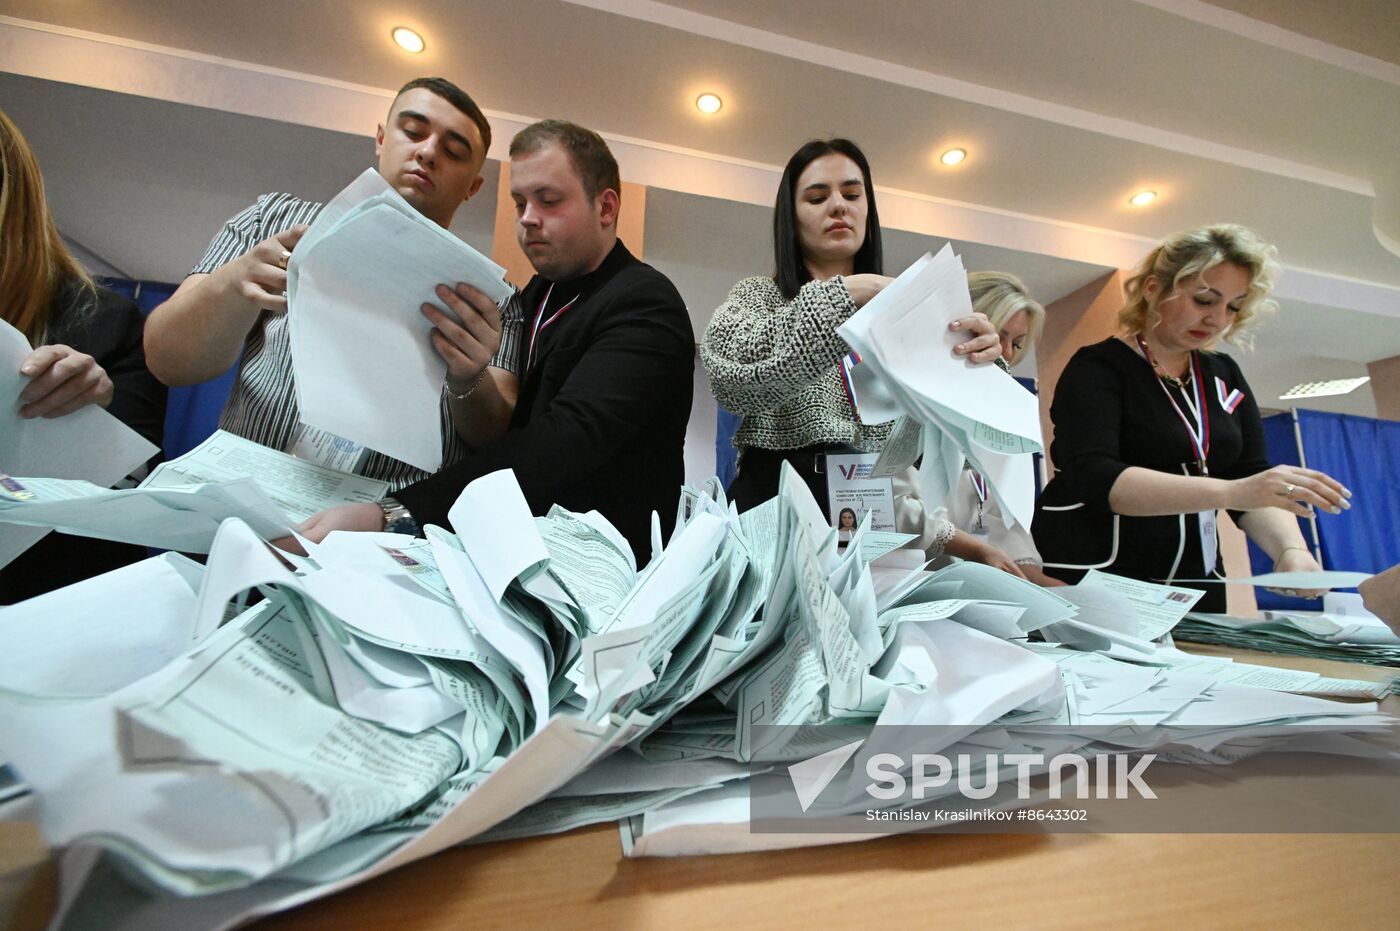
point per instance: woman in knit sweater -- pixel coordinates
(772, 352)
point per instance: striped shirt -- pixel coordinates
(263, 406)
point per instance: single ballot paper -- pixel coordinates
(300, 488)
(89, 444)
(1159, 607)
(850, 486)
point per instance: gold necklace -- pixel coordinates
(1178, 381)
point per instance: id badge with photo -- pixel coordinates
(849, 486)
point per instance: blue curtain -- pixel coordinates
(193, 411)
(1364, 455)
(726, 456)
(1282, 444)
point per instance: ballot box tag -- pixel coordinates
(12, 489)
(1208, 543)
(327, 449)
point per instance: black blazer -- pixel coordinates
(601, 419)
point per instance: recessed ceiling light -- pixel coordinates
(708, 103)
(1322, 389)
(1142, 198)
(408, 40)
(953, 156)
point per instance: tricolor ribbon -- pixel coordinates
(1229, 400)
(847, 363)
(979, 484)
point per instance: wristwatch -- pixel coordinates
(397, 518)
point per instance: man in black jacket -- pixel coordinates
(606, 368)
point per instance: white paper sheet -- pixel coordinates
(88, 444)
(300, 488)
(361, 350)
(975, 412)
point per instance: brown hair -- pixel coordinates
(459, 99)
(34, 262)
(592, 159)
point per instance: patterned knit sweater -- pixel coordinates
(775, 363)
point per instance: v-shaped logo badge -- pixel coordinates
(812, 776)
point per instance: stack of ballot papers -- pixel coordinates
(205, 757)
(182, 503)
(946, 410)
(1348, 638)
(365, 367)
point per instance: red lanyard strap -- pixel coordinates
(1199, 432)
(541, 323)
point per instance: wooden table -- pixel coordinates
(581, 880)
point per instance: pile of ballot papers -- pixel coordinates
(211, 742)
(388, 697)
(1356, 637)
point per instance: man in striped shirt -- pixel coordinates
(233, 306)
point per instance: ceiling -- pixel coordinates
(157, 119)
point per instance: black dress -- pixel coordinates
(1110, 413)
(109, 328)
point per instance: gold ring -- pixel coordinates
(282, 260)
(1289, 488)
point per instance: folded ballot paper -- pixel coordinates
(182, 503)
(204, 760)
(365, 366)
(89, 444)
(906, 369)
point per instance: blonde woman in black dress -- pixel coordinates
(1155, 431)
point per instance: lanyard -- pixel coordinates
(541, 323)
(1199, 431)
(979, 484)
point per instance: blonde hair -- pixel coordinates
(34, 262)
(999, 296)
(1194, 253)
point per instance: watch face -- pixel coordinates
(397, 519)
